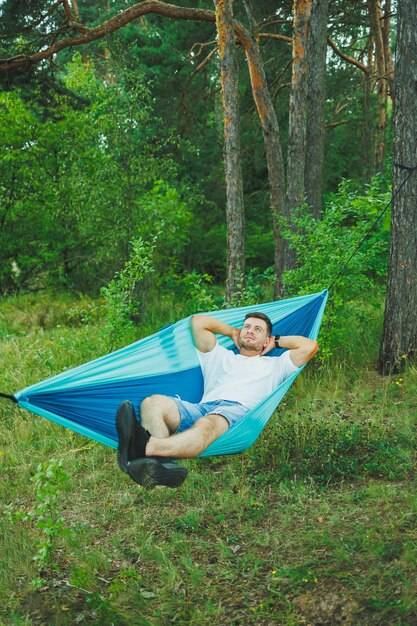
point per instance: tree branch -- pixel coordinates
(334, 124)
(68, 12)
(275, 36)
(22, 61)
(184, 90)
(346, 57)
(203, 63)
(43, 17)
(200, 47)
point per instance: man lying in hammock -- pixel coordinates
(233, 385)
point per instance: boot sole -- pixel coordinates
(150, 472)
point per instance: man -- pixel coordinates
(233, 384)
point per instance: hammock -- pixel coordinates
(85, 399)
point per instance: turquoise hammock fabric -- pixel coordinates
(85, 399)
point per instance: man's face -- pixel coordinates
(253, 335)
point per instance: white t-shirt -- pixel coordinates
(244, 379)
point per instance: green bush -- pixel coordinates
(123, 297)
(325, 246)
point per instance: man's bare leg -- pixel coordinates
(133, 440)
(190, 442)
(152, 469)
(159, 415)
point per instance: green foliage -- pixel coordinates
(325, 246)
(124, 294)
(256, 288)
(80, 183)
(196, 291)
(49, 480)
(163, 209)
(334, 451)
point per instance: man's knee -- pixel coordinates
(212, 425)
(158, 408)
(151, 409)
(151, 403)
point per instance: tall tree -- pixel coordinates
(380, 21)
(317, 50)
(298, 117)
(399, 339)
(235, 214)
(271, 137)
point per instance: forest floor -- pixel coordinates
(315, 524)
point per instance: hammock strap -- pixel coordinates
(410, 171)
(8, 397)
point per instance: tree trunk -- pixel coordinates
(399, 339)
(367, 125)
(271, 136)
(386, 36)
(316, 106)
(235, 217)
(298, 118)
(376, 15)
(75, 8)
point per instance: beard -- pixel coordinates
(251, 344)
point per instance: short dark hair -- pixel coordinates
(261, 316)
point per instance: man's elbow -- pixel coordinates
(313, 348)
(309, 349)
(196, 321)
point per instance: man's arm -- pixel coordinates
(203, 328)
(301, 348)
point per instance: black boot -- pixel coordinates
(132, 436)
(152, 471)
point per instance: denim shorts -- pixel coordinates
(190, 412)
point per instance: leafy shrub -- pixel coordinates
(256, 289)
(324, 246)
(50, 480)
(329, 450)
(196, 292)
(122, 296)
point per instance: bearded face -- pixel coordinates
(253, 335)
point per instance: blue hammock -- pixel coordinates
(85, 399)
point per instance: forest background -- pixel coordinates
(113, 223)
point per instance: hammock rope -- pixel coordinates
(8, 396)
(410, 170)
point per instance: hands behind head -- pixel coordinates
(269, 345)
(235, 336)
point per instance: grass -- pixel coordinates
(315, 524)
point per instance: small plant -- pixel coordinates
(196, 291)
(121, 296)
(255, 289)
(49, 481)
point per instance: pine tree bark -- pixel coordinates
(296, 154)
(367, 122)
(271, 136)
(399, 339)
(386, 37)
(380, 78)
(316, 101)
(235, 215)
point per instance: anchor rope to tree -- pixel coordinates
(401, 166)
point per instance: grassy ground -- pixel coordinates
(315, 524)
